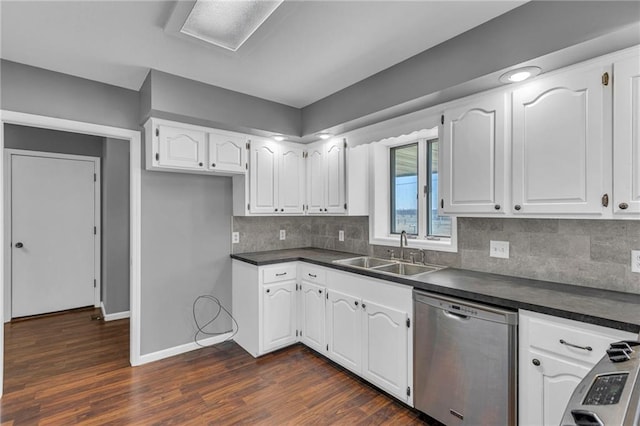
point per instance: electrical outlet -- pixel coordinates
(499, 249)
(341, 235)
(635, 261)
(283, 234)
(235, 237)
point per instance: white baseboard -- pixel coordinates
(177, 350)
(114, 316)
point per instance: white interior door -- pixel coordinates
(52, 229)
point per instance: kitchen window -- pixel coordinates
(405, 195)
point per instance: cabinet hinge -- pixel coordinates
(327, 347)
(605, 200)
(248, 206)
(327, 293)
(296, 333)
(157, 131)
(248, 145)
(94, 230)
(94, 283)
(345, 206)
(408, 391)
(95, 177)
(300, 333)
(408, 322)
(157, 156)
(344, 141)
(605, 79)
(442, 119)
(246, 166)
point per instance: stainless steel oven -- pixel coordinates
(465, 361)
(610, 393)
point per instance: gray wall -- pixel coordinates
(186, 224)
(174, 97)
(115, 226)
(43, 92)
(527, 32)
(591, 253)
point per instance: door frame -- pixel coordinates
(135, 170)
(8, 221)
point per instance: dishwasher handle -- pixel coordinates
(455, 315)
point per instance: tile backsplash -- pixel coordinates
(592, 253)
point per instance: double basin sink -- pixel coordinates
(388, 266)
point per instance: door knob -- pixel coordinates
(19, 245)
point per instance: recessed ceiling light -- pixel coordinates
(519, 74)
(227, 23)
(279, 138)
(324, 135)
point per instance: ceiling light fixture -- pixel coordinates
(278, 138)
(519, 74)
(324, 135)
(227, 24)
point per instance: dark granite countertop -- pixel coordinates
(602, 307)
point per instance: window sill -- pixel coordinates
(448, 244)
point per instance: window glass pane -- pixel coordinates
(439, 226)
(404, 189)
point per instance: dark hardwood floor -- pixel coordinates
(68, 369)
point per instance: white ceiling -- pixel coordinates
(304, 52)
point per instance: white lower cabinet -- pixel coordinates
(312, 316)
(554, 357)
(344, 330)
(278, 315)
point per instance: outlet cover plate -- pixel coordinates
(341, 235)
(635, 261)
(499, 249)
(283, 235)
(235, 237)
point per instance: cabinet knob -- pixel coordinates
(535, 362)
(364, 306)
(281, 210)
(497, 207)
(268, 290)
(320, 291)
(356, 303)
(325, 210)
(19, 245)
(517, 207)
(213, 164)
(623, 206)
(200, 164)
(276, 210)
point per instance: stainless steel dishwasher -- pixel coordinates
(465, 361)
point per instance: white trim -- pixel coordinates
(187, 347)
(114, 316)
(134, 138)
(97, 246)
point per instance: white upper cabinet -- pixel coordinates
(291, 179)
(185, 148)
(179, 147)
(473, 150)
(326, 186)
(264, 168)
(559, 145)
(227, 152)
(626, 136)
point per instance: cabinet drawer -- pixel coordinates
(313, 274)
(274, 274)
(572, 339)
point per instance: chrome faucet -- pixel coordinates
(403, 243)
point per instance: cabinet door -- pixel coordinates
(315, 179)
(559, 147)
(549, 388)
(473, 172)
(264, 177)
(227, 152)
(313, 316)
(291, 179)
(335, 187)
(181, 148)
(384, 353)
(279, 315)
(344, 330)
(626, 136)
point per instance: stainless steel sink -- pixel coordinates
(366, 262)
(388, 266)
(406, 269)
